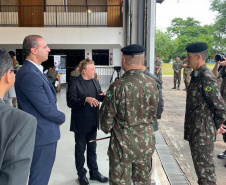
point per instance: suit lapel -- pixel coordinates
(1, 101)
(45, 78)
(96, 86)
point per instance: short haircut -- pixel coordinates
(30, 41)
(136, 59)
(6, 62)
(204, 54)
(83, 64)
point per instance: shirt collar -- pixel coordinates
(198, 71)
(40, 67)
(2, 100)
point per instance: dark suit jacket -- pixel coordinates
(161, 101)
(82, 115)
(37, 96)
(17, 138)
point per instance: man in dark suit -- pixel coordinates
(83, 96)
(159, 113)
(17, 132)
(37, 96)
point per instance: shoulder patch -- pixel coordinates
(109, 94)
(208, 88)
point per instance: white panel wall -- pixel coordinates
(97, 35)
(117, 57)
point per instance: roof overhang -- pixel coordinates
(159, 1)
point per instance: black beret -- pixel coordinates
(133, 49)
(183, 57)
(12, 53)
(178, 56)
(196, 47)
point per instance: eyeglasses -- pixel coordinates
(11, 70)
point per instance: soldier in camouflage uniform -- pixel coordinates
(128, 112)
(187, 73)
(75, 72)
(221, 76)
(158, 68)
(205, 113)
(177, 66)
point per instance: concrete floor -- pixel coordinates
(64, 172)
(172, 128)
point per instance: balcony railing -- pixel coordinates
(61, 15)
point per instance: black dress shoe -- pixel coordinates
(83, 180)
(222, 155)
(98, 176)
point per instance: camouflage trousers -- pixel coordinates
(120, 173)
(187, 79)
(202, 156)
(177, 78)
(159, 76)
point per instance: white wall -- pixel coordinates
(117, 57)
(62, 35)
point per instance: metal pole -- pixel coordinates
(140, 31)
(127, 28)
(150, 47)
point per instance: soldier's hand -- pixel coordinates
(223, 63)
(92, 101)
(222, 129)
(103, 93)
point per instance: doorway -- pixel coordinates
(31, 13)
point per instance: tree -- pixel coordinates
(163, 45)
(220, 25)
(184, 32)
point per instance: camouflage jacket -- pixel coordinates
(187, 70)
(128, 112)
(205, 108)
(75, 73)
(158, 63)
(52, 72)
(177, 66)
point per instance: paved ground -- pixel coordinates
(64, 172)
(172, 128)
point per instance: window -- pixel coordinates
(100, 57)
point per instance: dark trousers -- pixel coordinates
(81, 142)
(177, 78)
(42, 163)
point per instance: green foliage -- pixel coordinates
(188, 31)
(179, 35)
(220, 24)
(183, 32)
(163, 45)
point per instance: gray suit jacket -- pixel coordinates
(17, 138)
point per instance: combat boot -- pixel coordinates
(178, 87)
(174, 87)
